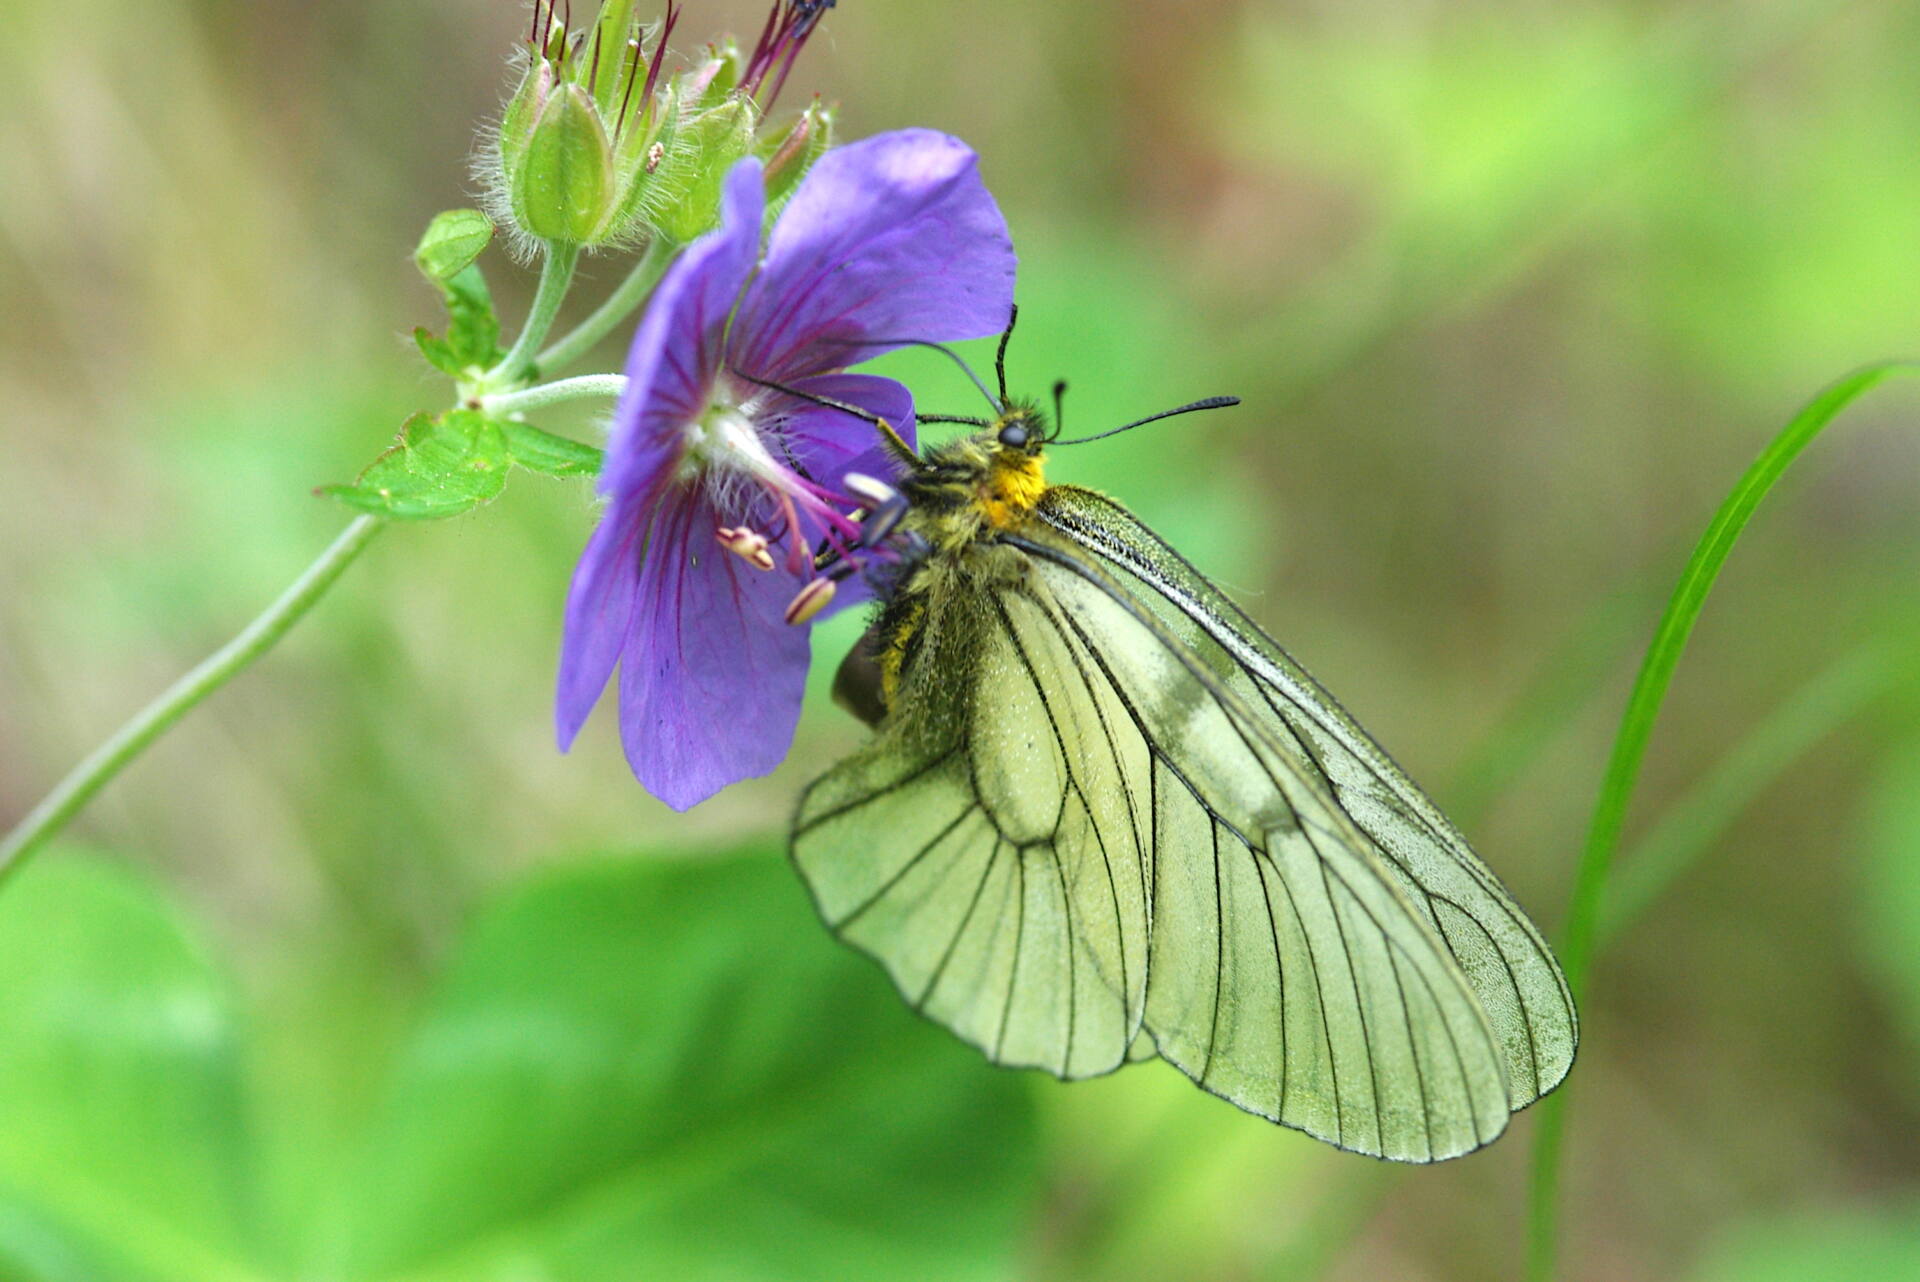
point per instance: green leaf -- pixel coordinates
(472, 344)
(473, 331)
(676, 1065)
(123, 1153)
(440, 353)
(451, 243)
(627, 1070)
(551, 455)
(440, 467)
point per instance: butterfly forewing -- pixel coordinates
(1495, 946)
(1286, 971)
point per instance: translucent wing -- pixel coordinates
(1496, 947)
(1287, 973)
(990, 846)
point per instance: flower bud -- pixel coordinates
(598, 147)
(708, 82)
(791, 152)
(711, 143)
(585, 134)
(566, 174)
(613, 41)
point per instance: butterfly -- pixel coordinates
(1105, 817)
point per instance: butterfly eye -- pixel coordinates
(1014, 436)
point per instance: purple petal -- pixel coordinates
(599, 612)
(893, 237)
(825, 444)
(712, 676)
(677, 349)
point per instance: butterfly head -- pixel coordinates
(1021, 429)
(1014, 479)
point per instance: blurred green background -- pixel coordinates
(355, 977)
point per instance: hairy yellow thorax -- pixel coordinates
(1013, 484)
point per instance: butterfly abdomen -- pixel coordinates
(959, 497)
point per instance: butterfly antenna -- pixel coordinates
(1210, 403)
(1000, 357)
(968, 419)
(1059, 412)
(945, 351)
(895, 443)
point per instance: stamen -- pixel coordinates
(659, 55)
(789, 23)
(871, 491)
(796, 555)
(881, 524)
(626, 97)
(747, 544)
(813, 598)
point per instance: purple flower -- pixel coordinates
(719, 487)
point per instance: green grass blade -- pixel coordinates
(1630, 747)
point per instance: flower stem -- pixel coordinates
(106, 761)
(556, 277)
(629, 294)
(582, 388)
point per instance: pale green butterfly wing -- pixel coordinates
(986, 848)
(1501, 953)
(1287, 972)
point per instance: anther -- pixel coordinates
(871, 491)
(879, 527)
(813, 598)
(749, 545)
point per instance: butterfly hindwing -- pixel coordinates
(984, 847)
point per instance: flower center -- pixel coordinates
(857, 526)
(725, 438)
(727, 453)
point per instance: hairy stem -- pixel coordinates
(556, 278)
(585, 387)
(620, 304)
(45, 820)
